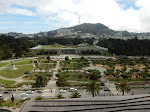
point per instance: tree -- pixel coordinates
(93, 88)
(60, 96)
(75, 95)
(124, 75)
(57, 75)
(41, 80)
(49, 75)
(59, 70)
(39, 98)
(82, 58)
(48, 58)
(66, 58)
(61, 81)
(123, 87)
(124, 68)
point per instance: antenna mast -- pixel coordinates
(79, 19)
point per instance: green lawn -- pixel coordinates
(57, 46)
(3, 64)
(33, 75)
(46, 61)
(24, 62)
(17, 103)
(16, 73)
(76, 76)
(74, 64)
(6, 82)
(77, 83)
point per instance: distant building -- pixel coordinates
(79, 49)
(64, 32)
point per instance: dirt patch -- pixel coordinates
(98, 65)
(139, 66)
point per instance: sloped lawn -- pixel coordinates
(16, 73)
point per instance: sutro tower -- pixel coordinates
(79, 19)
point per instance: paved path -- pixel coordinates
(52, 83)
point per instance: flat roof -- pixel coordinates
(96, 104)
(68, 47)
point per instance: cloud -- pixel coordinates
(65, 13)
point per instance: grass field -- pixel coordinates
(17, 103)
(57, 46)
(24, 62)
(74, 64)
(46, 61)
(16, 73)
(76, 76)
(6, 82)
(77, 83)
(33, 75)
(3, 64)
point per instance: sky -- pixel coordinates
(32, 16)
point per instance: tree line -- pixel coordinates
(132, 47)
(64, 41)
(10, 45)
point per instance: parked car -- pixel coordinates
(1, 95)
(29, 92)
(102, 84)
(72, 90)
(62, 91)
(106, 89)
(40, 91)
(24, 94)
(7, 92)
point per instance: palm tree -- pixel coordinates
(123, 87)
(75, 95)
(41, 80)
(93, 88)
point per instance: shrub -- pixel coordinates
(57, 75)
(75, 95)
(39, 98)
(60, 96)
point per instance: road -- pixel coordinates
(48, 94)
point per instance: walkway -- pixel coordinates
(52, 83)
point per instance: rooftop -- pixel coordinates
(57, 46)
(98, 104)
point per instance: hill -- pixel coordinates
(90, 28)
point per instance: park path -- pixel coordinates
(52, 83)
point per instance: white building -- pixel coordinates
(63, 32)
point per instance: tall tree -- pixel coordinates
(123, 87)
(93, 88)
(48, 58)
(41, 80)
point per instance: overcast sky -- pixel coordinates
(31, 16)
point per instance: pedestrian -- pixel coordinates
(51, 90)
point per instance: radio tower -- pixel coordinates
(79, 19)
